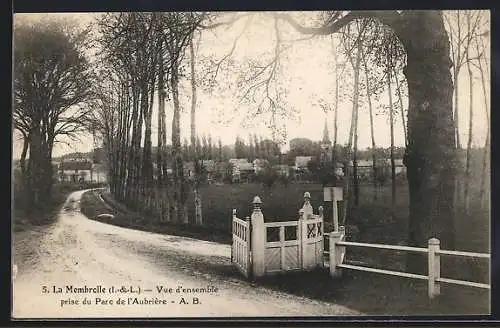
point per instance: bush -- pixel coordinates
(284, 180)
(267, 176)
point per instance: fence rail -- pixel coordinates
(382, 246)
(337, 252)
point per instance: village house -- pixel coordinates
(242, 169)
(365, 167)
(208, 165)
(301, 163)
(76, 171)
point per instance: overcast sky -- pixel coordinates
(306, 74)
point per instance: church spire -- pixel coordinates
(326, 137)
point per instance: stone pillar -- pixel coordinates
(257, 239)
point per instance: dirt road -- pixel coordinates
(77, 259)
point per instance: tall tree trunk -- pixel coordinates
(456, 73)
(162, 207)
(355, 126)
(147, 170)
(355, 63)
(431, 152)
(399, 84)
(372, 133)
(485, 169)
(391, 120)
(197, 195)
(180, 190)
(469, 141)
(35, 169)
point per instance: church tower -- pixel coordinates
(326, 144)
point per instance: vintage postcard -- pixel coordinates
(251, 164)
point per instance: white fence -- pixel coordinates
(337, 253)
(240, 252)
(265, 248)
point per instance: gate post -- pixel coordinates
(232, 234)
(320, 227)
(335, 253)
(302, 238)
(257, 239)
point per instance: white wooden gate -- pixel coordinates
(263, 248)
(282, 249)
(240, 251)
(312, 242)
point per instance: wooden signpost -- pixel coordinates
(333, 194)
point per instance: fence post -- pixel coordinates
(320, 226)
(434, 267)
(248, 239)
(232, 234)
(334, 253)
(302, 237)
(257, 237)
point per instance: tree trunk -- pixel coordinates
(355, 124)
(22, 161)
(35, 168)
(372, 133)
(431, 152)
(197, 195)
(485, 170)
(391, 122)
(469, 141)
(177, 165)
(399, 84)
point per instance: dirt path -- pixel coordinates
(76, 251)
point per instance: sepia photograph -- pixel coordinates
(270, 164)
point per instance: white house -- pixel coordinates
(301, 162)
(76, 171)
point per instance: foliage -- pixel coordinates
(52, 88)
(267, 176)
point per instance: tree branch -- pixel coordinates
(391, 18)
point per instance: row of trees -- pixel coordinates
(257, 147)
(142, 56)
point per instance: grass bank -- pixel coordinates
(94, 203)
